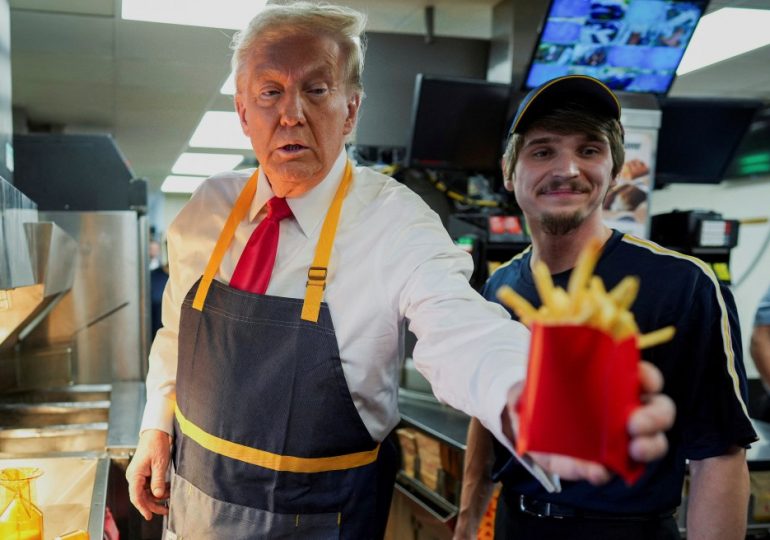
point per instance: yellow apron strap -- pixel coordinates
(316, 275)
(239, 211)
(269, 460)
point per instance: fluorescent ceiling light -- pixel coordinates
(228, 88)
(220, 129)
(220, 14)
(723, 34)
(205, 164)
(181, 184)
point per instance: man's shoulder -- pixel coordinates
(215, 195)
(223, 186)
(380, 194)
(646, 256)
(508, 273)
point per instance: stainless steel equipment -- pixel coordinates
(103, 314)
(74, 318)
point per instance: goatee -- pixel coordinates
(560, 224)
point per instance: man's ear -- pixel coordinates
(353, 104)
(508, 178)
(240, 108)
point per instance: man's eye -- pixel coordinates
(269, 93)
(542, 152)
(318, 91)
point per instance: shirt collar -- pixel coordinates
(309, 208)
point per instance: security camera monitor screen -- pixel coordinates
(458, 124)
(630, 45)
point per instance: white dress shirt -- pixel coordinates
(392, 261)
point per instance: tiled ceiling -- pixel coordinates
(78, 67)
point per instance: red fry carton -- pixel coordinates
(581, 387)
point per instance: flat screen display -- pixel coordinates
(458, 124)
(698, 138)
(752, 158)
(630, 45)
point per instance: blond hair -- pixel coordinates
(343, 24)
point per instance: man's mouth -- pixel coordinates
(293, 147)
(562, 188)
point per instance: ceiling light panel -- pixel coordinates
(202, 164)
(233, 14)
(181, 184)
(724, 34)
(220, 129)
(228, 88)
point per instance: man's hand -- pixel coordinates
(646, 425)
(147, 471)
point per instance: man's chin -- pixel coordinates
(295, 176)
(561, 224)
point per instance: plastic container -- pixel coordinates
(20, 519)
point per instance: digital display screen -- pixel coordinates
(458, 124)
(698, 137)
(630, 45)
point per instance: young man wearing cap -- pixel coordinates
(563, 155)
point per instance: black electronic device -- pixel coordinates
(490, 239)
(76, 172)
(752, 158)
(698, 138)
(630, 45)
(458, 124)
(693, 230)
(702, 233)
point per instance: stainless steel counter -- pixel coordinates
(71, 492)
(126, 409)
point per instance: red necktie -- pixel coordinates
(252, 273)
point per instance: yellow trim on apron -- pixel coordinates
(316, 275)
(268, 460)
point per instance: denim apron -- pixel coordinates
(267, 440)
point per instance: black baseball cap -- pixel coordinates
(586, 91)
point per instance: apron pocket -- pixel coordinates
(195, 515)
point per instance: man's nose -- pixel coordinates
(292, 111)
(566, 166)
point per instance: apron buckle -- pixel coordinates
(316, 275)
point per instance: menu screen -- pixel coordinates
(630, 45)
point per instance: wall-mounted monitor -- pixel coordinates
(698, 138)
(458, 124)
(752, 158)
(631, 45)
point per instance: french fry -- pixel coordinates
(584, 268)
(656, 338)
(586, 301)
(625, 292)
(624, 326)
(543, 283)
(523, 309)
